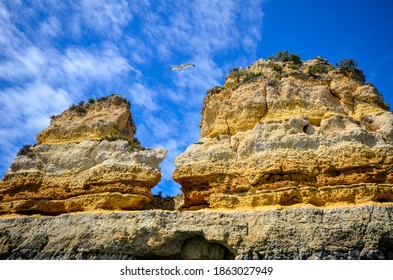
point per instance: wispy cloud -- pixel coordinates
(104, 17)
(143, 97)
(63, 52)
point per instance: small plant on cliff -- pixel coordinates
(78, 108)
(251, 76)
(280, 56)
(25, 151)
(215, 90)
(285, 56)
(295, 59)
(135, 145)
(234, 71)
(277, 68)
(91, 100)
(317, 69)
(115, 138)
(349, 67)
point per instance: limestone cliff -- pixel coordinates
(86, 159)
(294, 162)
(360, 232)
(287, 132)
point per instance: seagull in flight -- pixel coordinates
(182, 67)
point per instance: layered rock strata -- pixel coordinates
(285, 133)
(86, 159)
(358, 232)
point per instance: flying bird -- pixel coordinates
(182, 67)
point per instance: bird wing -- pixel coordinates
(176, 67)
(188, 65)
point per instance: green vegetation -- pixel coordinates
(135, 145)
(78, 108)
(290, 59)
(234, 71)
(280, 56)
(318, 69)
(349, 67)
(163, 203)
(295, 59)
(25, 151)
(278, 68)
(91, 100)
(215, 90)
(251, 76)
(115, 137)
(284, 56)
(102, 98)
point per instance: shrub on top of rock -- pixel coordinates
(24, 151)
(349, 67)
(285, 56)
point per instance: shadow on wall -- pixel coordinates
(198, 248)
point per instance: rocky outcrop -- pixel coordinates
(86, 159)
(106, 118)
(287, 133)
(359, 232)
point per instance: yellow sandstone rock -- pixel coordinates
(86, 159)
(110, 117)
(275, 134)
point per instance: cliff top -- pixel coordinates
(103, 118)
(285, 87)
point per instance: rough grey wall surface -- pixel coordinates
(361, 232)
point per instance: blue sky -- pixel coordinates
(55, 53)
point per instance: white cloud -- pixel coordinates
(24, 112)
(85, 64)
(105, 17)
(143, 97)
(50, 27)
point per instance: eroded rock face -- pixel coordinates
(110, 117)
(276, 133)
(83, 161)
(359, 232)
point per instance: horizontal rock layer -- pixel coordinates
(293, 133)
(360, 232)
(81, 176)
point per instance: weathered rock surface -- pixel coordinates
(278, 133)
(85, 160)
(109, 117)
(359, 232)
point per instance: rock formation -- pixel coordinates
(357, 232)
(288, 132)
(86, 159)
(294, 162)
